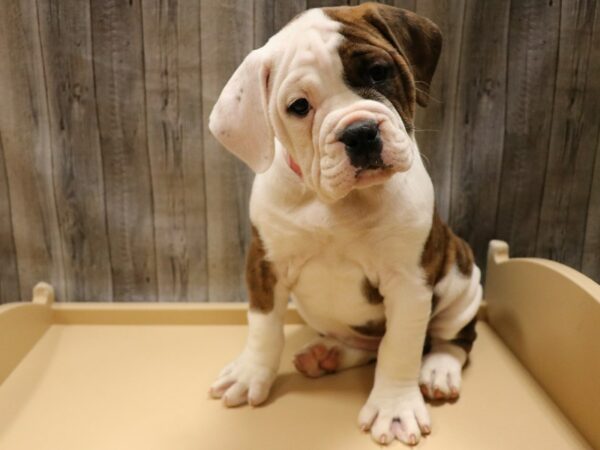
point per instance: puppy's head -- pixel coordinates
(338, 88)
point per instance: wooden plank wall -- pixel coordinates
(112, 188)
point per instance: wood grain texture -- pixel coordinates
(117, 38)
(406, 4)
(66, 38)
(9, 275)
(533, 38)
(574, 136)
(479, 123)
(590, 264)
(321, 3)
(435, 123)
(174, 116)
(227, 36)
(285, 11)
(27, 151)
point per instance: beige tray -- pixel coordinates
(131, 376)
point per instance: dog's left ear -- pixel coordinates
(240, 119)
(415, 37)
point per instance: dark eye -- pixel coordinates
(299, 107)
(378, 73)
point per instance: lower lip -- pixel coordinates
(370, 177)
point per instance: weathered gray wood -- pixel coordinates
(118, 66)
(286, 11)
(532, 58)
(227, 36)
(65, 31)
(574, 134)
(264, 21)
(590, 264)
(479, 124)
(324, 3)
(174, 126)
(406, 4)
(26, 150)
(9, 274)
(435, 123)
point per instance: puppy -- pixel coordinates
(343, 214)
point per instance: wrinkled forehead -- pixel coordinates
(309, 43)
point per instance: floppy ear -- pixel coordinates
(239, 119)
(415, 37)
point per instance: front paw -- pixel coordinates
(395, 413)
(245, 380)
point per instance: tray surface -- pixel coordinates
(88, 387)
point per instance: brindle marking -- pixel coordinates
(373, 328)
(466, 336)
(371, 293)
(405, 44)
(260, 276)
(443, 250)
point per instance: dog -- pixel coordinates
(343, 215)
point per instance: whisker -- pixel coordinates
(427, 94)
(419, 130)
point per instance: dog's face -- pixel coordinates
(337, 87)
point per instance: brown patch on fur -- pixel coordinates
(372, 328)
(464, 257)
(260, 276)
(408, 44)
(442, 250)
(371, 293)
(466, 336)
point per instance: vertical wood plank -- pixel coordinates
(532, 57)
(590, 264)
(227, 36)
(118, 66)
(65, 31)
(9, 275)
(263, 21)
(435, 123)
(478, 139)
(325, 3)
(26, 149)
(174, 126)
(574, 134)
(286, 11)
(406, 4)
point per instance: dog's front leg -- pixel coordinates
(249, 377)
(395, 407)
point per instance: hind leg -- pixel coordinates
(326, 355)
(441, 371)
(450, 338)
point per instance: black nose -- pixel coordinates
(363, 144)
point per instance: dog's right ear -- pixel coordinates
(240, 119)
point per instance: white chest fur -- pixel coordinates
(325, 252)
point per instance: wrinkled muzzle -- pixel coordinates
(359, 146)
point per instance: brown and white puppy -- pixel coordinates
(343, 214)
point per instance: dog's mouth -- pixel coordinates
(374, 166)
(372, 175)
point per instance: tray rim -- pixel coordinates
(22, 324)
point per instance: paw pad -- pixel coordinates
(317, 360)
